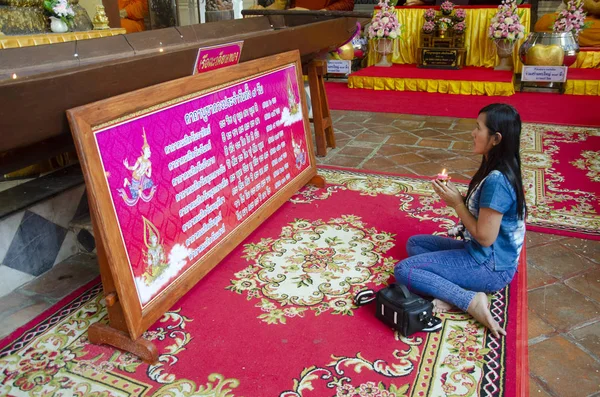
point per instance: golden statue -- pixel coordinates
(21, 17)
(100, 19)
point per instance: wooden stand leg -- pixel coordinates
(104, 334)
(318, 181)
(321, 116)
(116, 334)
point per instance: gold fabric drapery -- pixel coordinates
(481, 51)
(582, 87)
(51, 38)
(587, 60)
(490, 88)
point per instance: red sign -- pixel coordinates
(211, 58)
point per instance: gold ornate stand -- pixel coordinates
(51, 38)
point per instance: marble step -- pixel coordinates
(25, 195)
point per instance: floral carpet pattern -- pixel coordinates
(276, 317)
(314, 265)
(557, 203)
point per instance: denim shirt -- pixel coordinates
(496, 192)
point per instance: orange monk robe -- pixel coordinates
(136, 11)
(589, 37)
(331, 5)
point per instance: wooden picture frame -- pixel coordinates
(128, 318)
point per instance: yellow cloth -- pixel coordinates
(587, 60)
(582, 87)
(481, 50)
(441, 86)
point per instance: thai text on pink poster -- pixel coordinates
(186, 175)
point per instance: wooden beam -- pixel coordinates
(111, 7)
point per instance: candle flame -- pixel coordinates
(444, 171)
(14, 76)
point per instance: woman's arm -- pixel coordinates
(483, 229)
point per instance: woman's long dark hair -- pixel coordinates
(504, 157)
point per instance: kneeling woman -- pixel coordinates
(460, 272)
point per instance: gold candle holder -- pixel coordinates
(443, 177)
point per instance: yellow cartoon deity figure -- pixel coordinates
(155, 258)
(140, 177)
(291, 97)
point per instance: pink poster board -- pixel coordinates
(219, 56)
(185, 175)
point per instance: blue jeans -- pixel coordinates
(442, 268)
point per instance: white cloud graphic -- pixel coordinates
(288, 119)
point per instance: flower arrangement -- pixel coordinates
(444, 23)
(571, 19)
(428, 27)
(460, 15)
(447, 7)
(385, 24)
(60, 9)
(506, 25)
(430, 14)
(459, 28)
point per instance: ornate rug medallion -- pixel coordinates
(314, 265)
(590, 162)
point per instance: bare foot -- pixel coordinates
(480, 311)
(440, 306)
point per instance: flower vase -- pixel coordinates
(384, 47)
(57, 25)
(504, 48)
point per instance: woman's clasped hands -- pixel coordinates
(448, 192)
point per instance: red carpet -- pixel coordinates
(275, 318)
(583, 74)
(534, 107)
(468, 73)
(561, 176)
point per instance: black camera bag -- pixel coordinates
(405, 312)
